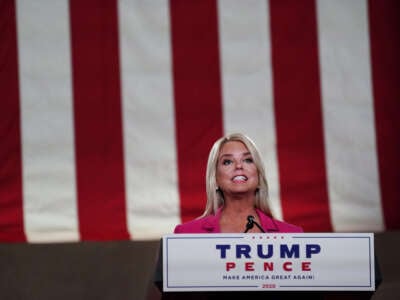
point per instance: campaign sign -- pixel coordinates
(249, 262)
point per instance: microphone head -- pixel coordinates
(250, 218)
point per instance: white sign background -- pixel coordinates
(191, 262)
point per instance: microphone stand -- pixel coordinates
(250, 224)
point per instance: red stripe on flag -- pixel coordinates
(98, 120)
(11, 211)
(197, 91)
(384, 21)
(298, 115)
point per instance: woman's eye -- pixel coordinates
(226, 162)
(248, 160)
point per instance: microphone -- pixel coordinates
(250, 224)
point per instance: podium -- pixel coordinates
(273, 266)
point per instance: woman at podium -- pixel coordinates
(237, 192)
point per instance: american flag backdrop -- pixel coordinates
(109, 108)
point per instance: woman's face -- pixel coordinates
(236, 170)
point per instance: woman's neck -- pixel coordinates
(234, 215)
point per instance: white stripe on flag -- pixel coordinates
(348, 116)
(148, 117)
(247, 81)
(49, 186)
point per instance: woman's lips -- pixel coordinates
(239, 178)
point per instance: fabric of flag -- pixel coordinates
(109, 108)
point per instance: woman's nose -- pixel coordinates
(238, 164)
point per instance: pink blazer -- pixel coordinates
(210, 224)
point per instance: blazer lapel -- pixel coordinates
(211, 223)
(267, 223)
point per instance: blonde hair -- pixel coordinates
(215, 198)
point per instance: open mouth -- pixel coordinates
(239, 178)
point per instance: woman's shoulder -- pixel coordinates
(274, 225)
(205, 224)
(288, 227)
